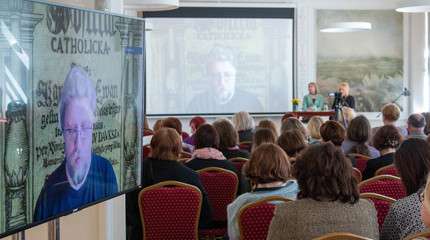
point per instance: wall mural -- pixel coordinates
(371, 62)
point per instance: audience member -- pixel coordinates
(263, 135)
(349, 114)
(335, 133)
(390, 115)
(228, 139)
(347, 100)
(147, 132)
(292, 142)
(269, 125)
(162, 165)
(386, 140)
(269, 169)
(313, 101)
(416, 125)
(293, 123)
(329, 200)
(195, 123)
(175, 123)
(427, 117)
(158, 124)
(244, 125)
(425, 208)
(206, 141)
(313, 128)
(288, 115)
(412, 160)
(357, 134)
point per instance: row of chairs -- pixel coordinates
(361, 161)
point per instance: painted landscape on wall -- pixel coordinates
(371, 62)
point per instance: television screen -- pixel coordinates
(71, 102)
(219, 61)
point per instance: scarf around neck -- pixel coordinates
(208, 153)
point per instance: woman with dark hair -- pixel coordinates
(228, 139)
(412, 160)
(206, 141)
(162, 165)
(328, 201)
(269, 169)
(386, 140)
(195, 123)
(357, 135)
(292, 142)
(294, 123)
(263, 135)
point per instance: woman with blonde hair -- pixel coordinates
(347, 100)
(313, 127)
(313, 101)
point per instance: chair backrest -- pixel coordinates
(361, 163)
(254, 218)
(185, 155)
(341, 235)
(145, 151)
(425, 234)
(221, 186)
(238, 163)
(357, 155)
(244, 145)
(183, 160)
(387, 185)
(388, 170)
(148, 132)
(170, 210)
(382, 205)
(358, 175)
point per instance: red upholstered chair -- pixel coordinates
(145, 151)
(341, 235)
(361, 161)
(358, 175)
(387, 185)
(387, 170)
(244, 145)
(238, 163)
(170, 210)
(221, 186)
(148, 132)
(382, 205)
(425, 234)
(254, 218)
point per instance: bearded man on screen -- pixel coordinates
(83, 177)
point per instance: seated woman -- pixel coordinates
(425, 208)
(292, 142)
(412, 160)
(175, 123)
(269, 169)
(245, 126)
(269, 125)
(313, 101)
(386, 141)
(162, 165)
(348, 100)
(294, 123)
(195, 123)
(228, 139)
(390, 115)
(335, 133)
(313, 127)
(329, 200)
(206, 141)
(357, 135)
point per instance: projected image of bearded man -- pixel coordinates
(223, 95)
(83, 177)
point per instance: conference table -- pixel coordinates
(306, 114)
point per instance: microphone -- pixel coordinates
(406, 92)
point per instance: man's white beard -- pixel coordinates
(81, 171)
(223, 99)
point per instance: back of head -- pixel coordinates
(292, 142)
(197, 121)
(359, 129)
(412, 160)
(228, 136)
(390, 112)
(158, 124)
(349, 114)
(333, 131)
(288, 115)
(323, 173)
(314, 125)
(416, 120)
(387, 137)
(242, 121)
(78, 84)
(269, 125)
(427, 128)
(172, 122)
(165, 144)
(267, 164)
(293, 123)
(206, 137)
(263, 135)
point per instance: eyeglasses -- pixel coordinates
(421, 197)
(71, 133)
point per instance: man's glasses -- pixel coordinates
(71, 134)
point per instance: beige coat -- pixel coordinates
(307, 219)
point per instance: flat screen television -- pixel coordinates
(218, 61)
(71, 114)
